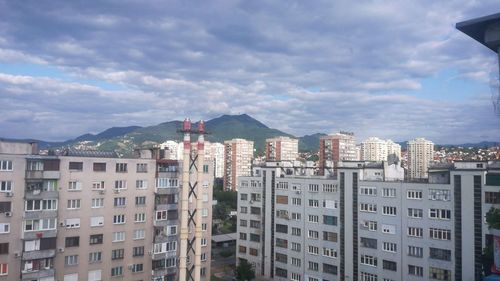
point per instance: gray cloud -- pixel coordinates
(298, 66)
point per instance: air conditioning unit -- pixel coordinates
(102, 192)
(8, 214)
(251, 201)
(9, 194)
(17, 254)
(60, 250)
(62, 224)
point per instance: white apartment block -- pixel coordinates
(366, 225)
(238, 154)
(420, 155)
(88, 215)
(282, 149)
(375, 149)
(172, 150)
(216, 151)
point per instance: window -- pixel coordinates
(415, 213)
(281, 199)
(76, 166)
(314, 266)
(74, 186)
(204, 242)
(118, 236)
(255, 210)
(40, 205)
(329, 220)
(441, 214)
(296, 216)
(73, 241)
(296, 262)
(367, 207)
(204, 226)
(71, 260)
(313, 203)
(368, 242)
(137, 267)
(4, 248)
(313, 234)
(142, 167)
(243, 222)
(5, 165)
(330, 204)
(117, 254)
(388, 229)
(328, 187)
(281, 258)
(141, 184)
(96, 221)
(330, 269)
(296, 201)
(74, 204)
(172, 230)
(243, 236)
(282, 243)
(329, 252)
(280, 272)
(364, 276)
(440, 254)
(296, 247)
(414, 251)
(255, 197)
(34, 225)
(388, 192)
(313, 218)
(205, 169)
(440, 195)
(243, 196)
(140, 200)
(254, 224)
(369, 225)
(414, 194)
(6, 186)
(97, 203)
(296, 231)
(98, 185)
(440, 234)
(139, 234)
(121, 184)
(119, 201)
(313, 250)
(204, 212)
(389, 265)
(282, 185)
(242, 249)
(140, 217)
(72, 223)
(99, 167)
(138, 251)
(439, 274)
(243, 210)
(295, 276)
(415, 270)
(281, 228)
(389, 210)
(96, 239)
(119, 219)
(330, 236)
(368, 260)
(369, 191)
(313, 187)
(415, 232)
(390, 247)
(95, 257)
(117, 271)
(121, 167)
(253, 251)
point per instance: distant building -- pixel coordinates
(238, 154)
(420, 154)
(217, 152)
(282, 149)
(375, 149)
(335, 148)
(173, 150)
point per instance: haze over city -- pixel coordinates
(399, 70)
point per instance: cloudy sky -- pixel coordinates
(392, 69)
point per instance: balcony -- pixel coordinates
(35, 275)
(161, 256)
(157, 273)
(41, 254)
(40, 194)
(166, 190)
(165, 222)
(36, 175)
(162, 207)
(161, 238)
(40, 214)
(31, 235)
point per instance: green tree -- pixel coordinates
(244, 271)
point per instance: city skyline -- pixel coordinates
(397, 71)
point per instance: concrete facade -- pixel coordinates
(282, 149)
(238, 154)
(335, 148)
(420, 155)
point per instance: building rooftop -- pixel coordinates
(476, 28)
(90, 153)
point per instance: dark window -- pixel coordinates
(493, 179)
(76, 166)
(72, 241)
(99, 167)
(330, 220)
(281, 258)
(369, 243)
(5, 207)
(328, 268)
(121, 167)
(255, 210)
(96, 239)
(282, 228)
(140, 200)
(280, 272)
(4, 248)
(254, 237)
(330, 236)
(48, 243)
(51, 165)
(389, 265)
(492, 197)
(117, 254)
(138, 251)
(172, 215)
(440, 254)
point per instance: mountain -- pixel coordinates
(107, 134)
(310, 142)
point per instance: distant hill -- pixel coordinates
(124, 139)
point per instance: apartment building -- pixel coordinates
(420, 155)
(238, 154)
(282, 149)
(90, 215)
(367, 224)
(375, 149)
(217, 153)
(334, 148)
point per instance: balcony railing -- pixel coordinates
(38, 274)
(40, 254)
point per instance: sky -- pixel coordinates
(392, 69)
